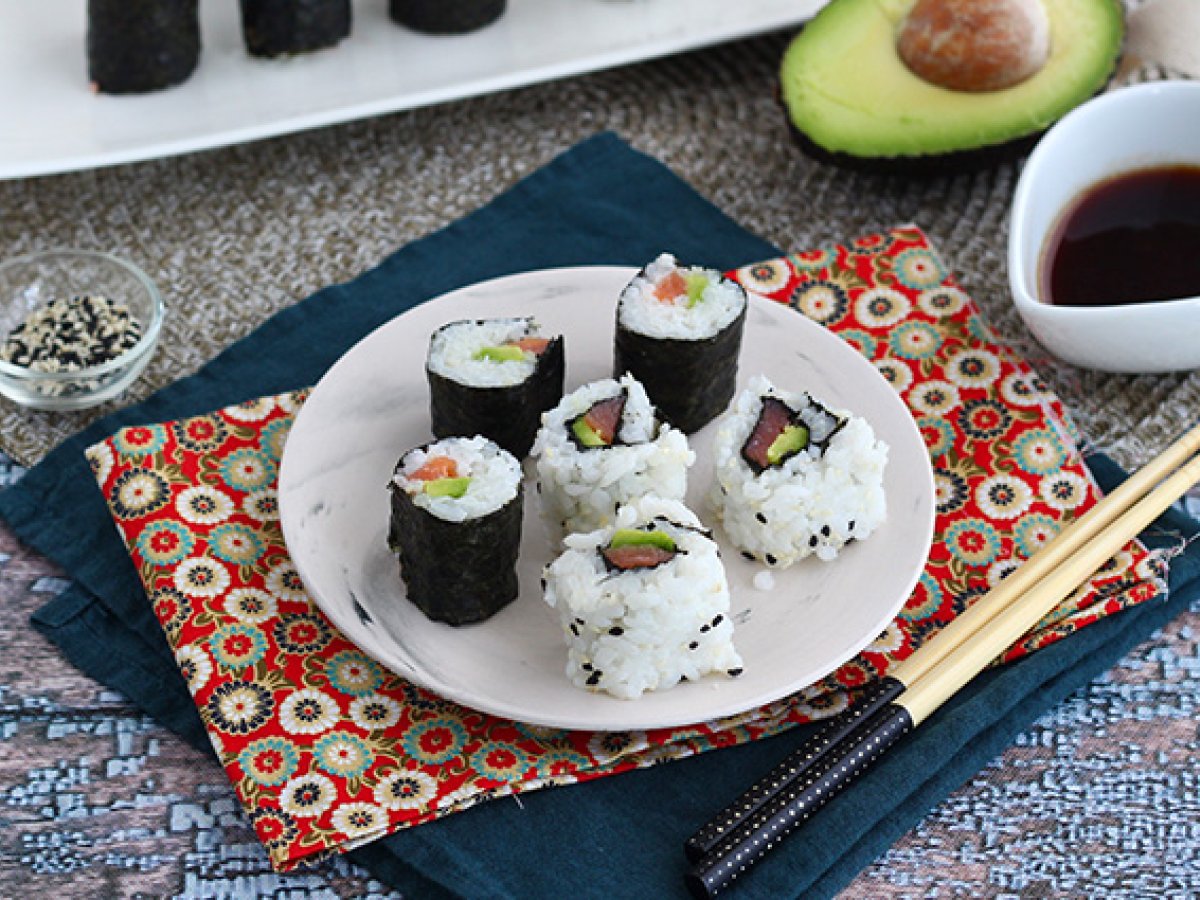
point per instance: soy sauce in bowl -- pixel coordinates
(1134, 238)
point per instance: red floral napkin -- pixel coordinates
(327, 749)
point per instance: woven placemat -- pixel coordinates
(233, 235)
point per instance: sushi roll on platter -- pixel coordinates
(445, 16)
(793, 478)
(679, 332)
(284, 27)
(493, 377)
(456, 508)
(136, 46)
(644, 603)
(602, 446)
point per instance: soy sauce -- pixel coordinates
(1132, 239)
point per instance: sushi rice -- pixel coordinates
(643, 629)
(453, 349)
(495, 478)
(814, 502)
(580, 488)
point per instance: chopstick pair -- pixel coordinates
(743, 833)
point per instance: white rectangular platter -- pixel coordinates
(54, 123)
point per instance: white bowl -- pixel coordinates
(1138, 127)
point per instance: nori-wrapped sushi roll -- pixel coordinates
(679, 332)
(456, 526)
(493, 377)
(135, 46)
(282, 27)
(445, 16)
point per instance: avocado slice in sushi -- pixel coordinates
(791, 441)
(506, 353)
(447, 487)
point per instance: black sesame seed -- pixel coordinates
(850, 526)
(574, 629)
(704, 629)
(616, 631)
(735, 672)
(824, 531)
(594, 678)
(813, 541)
(587, 667)
(693, 645)
(771, 560)
(718, 619)
(748, 555)
(761, 518)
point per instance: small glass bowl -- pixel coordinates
(28, 283)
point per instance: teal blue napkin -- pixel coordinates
(601, 202)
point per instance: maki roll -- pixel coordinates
(281, 27)
(644, 604)
(794, 478)
(602, 446)
(456, 526)
(445, 16)
(493, 377)
(135, 46)
(679, 332)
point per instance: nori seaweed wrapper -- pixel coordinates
(457, 572)
(690, 381)
(445, 16)
(135, 46)
(510, 416)
(281, 27)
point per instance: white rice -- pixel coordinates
(643, 629)
(495, 477)
(580, 489)
(641, 311)
(452, 350)
(815, 502)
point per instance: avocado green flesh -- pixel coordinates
(631, 537)
(792, 439)
(695, 288)
(500, 354)
(846, 89)
(586, 434)
(447, 487)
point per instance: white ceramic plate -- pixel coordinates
(373, 405)
(54, 123)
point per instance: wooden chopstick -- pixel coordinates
(744, 832)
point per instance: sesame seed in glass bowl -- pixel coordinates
(76, 327)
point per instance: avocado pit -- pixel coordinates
(975, 45)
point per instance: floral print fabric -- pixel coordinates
(327, 749)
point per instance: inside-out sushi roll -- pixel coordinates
(493, 377)
(282, 27)
(445, 16)
(679, 332)
(793, 478)
(135, 46)
(644, 603)
(456, 526)
(602, 446)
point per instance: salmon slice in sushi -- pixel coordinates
(644, 603)
(793, 478)
(679, 332)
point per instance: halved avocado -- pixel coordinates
(851, 99)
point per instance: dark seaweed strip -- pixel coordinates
(445, 16)
(691, 382)
(456, 572)
(510, 416)
(134, 46)
(282, 27)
